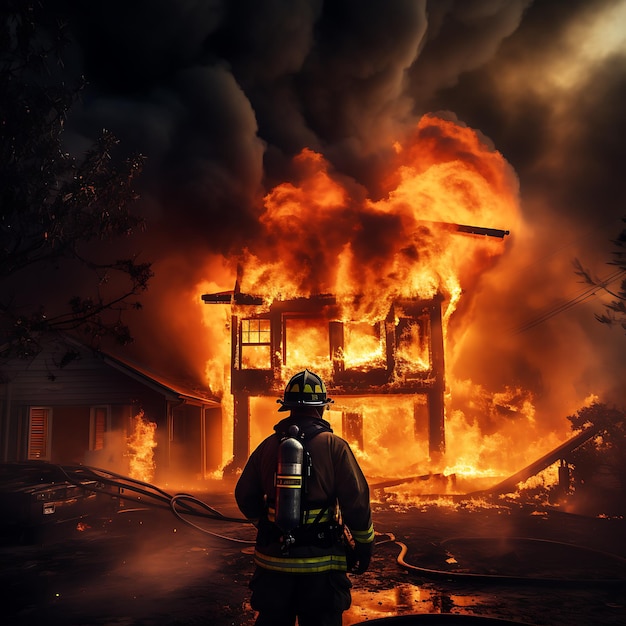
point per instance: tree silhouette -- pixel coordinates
(59, 214)
(606, 450)
(616, 309)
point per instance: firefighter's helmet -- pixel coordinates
(303, 390)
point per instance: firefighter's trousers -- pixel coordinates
(315, 599)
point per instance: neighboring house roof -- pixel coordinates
(160, 383)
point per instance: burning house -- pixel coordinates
(399, 354)
(265, 344)
(362, 290)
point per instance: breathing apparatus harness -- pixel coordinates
(293, 470)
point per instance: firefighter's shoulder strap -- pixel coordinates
(307, 428)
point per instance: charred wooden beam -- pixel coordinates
(480, 230)
(510, 484)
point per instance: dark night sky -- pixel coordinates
(220, 95)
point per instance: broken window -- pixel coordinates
(306, 342)
(364, 346)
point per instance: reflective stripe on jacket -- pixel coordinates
(306, 563)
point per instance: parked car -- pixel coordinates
(37, 496)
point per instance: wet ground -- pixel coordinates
(144, 567)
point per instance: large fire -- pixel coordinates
(322, 233)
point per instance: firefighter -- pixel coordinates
(306, 493)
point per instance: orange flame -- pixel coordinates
(324, 235)
(141, 443)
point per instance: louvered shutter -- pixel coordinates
(38, 433)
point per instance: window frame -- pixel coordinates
(259, 332)
(93, 427)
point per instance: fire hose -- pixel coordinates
(184, 505)
(180, 504)
(506, 579)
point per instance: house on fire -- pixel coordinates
(263, 339)
(408, 341)
(72, 405)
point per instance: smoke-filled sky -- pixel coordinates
(220, 96)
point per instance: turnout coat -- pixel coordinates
(336, 493)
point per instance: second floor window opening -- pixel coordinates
(255, 332)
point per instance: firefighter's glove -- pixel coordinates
(360, 557)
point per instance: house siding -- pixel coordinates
(71, 380)
(84, 381)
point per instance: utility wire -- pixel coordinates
(589, 292)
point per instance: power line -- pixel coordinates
(589, 292)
